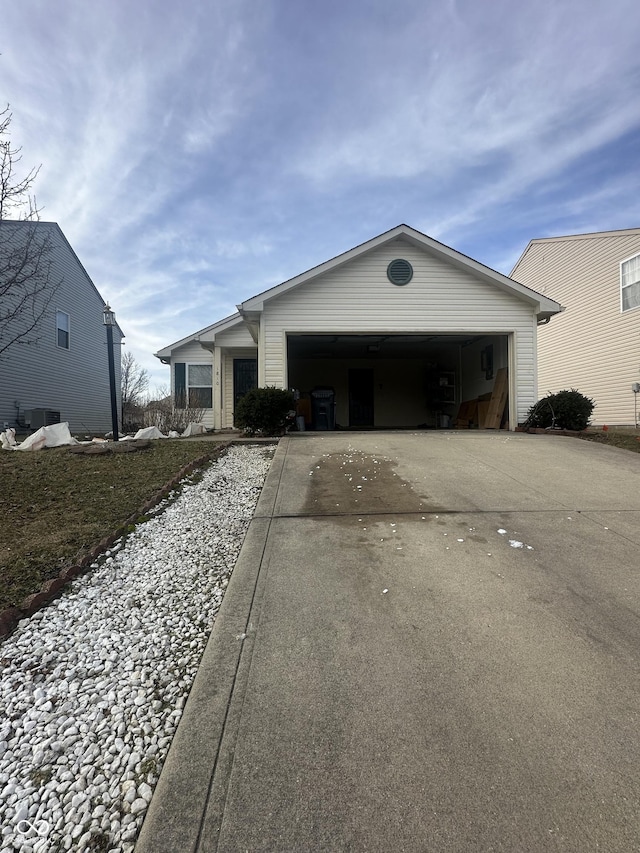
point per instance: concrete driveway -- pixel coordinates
(431, 642)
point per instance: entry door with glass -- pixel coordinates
(245, 377)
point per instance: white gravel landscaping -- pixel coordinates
(92, 687)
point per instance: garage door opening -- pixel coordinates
(387, 381)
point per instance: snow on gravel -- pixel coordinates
(93, 686)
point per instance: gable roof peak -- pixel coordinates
(254, 305)
(587, 235)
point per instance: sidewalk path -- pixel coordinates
(431, 642)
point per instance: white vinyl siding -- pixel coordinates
(237, 336)
(194, 355)
(592, 346)
(229, 343)
(359, 298)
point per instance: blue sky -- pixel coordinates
(196, 153)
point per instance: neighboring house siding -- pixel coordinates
(74, 381)
(593, 346)
(440, 298)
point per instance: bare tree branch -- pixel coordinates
(162, 412)
(15, 193)
(27, 286)
(134, 382)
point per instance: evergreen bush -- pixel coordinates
(564, 410)
(263, 410)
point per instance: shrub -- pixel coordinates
(171, 417)
(263, 410)
(169, 413)
(564, 410)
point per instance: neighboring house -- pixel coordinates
(62, 375)
(402, 328)
(594, 346)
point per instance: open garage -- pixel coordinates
(397, 332)
(391, 380)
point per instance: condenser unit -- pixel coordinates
(36, 418)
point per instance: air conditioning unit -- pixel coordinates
(36, 418)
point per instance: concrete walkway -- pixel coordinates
(431, 642)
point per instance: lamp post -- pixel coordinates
(109, 320)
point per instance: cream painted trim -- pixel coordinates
(512, 349)
(218, 384)
(285, 371)
(262, 359)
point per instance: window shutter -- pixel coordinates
(180, 384)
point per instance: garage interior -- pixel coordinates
(396, 381)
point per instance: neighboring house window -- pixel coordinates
(193, 386)
(630, 283)
(62, 329)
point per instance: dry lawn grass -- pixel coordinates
(56, 506)
(626, 439)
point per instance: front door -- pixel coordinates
(245, 377)
(361, 397)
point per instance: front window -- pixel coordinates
(630, 283)
(62, 329)
(200, 386)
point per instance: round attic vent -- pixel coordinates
(399, 272)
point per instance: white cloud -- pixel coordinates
(520, 96)
(197, 153)
(256, 246)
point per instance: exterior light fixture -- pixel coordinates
(108, 316)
